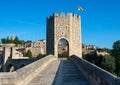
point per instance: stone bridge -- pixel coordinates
(53, 71)
(14, 64)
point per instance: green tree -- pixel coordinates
(108, 63)
(22, 42)
(93, 58)
(116, 54)
(16, 40)
(7, 40)
(11, 41)
(63, 55)
(4, 40)
(28, 41)
(29, 54)
(104, 49)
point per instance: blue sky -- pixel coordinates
(27, 19)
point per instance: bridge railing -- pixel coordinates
(25, 74)
(94, 74)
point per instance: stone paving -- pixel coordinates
(60, 72)
(71, 75)
(46, 76)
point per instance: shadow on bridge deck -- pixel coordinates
(60, 72)
(69, 74)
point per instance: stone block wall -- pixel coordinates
(94, 74)
(36, 51)
(50, 35)
(66, 27)
(25, 74)
(15, 64)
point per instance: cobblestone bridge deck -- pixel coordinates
(59, 72)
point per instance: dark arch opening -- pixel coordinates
(10, 68)
(63, 48)
(22, 65)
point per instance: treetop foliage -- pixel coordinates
(29, 54)
(16, 41)
(116, 55)
(109, 62)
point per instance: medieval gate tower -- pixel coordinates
(66, 27)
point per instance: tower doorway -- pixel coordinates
(63, 48)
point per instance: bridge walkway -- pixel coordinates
(60, 72)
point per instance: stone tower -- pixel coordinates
(66, 27)
(12, 37)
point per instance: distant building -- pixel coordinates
(12, 37)
(11, 54)
(62, 48)
(37, 47)
(38, 43)
(11, 59)
(91, 49)
(101, 51)
(41, 44)
(88, 49)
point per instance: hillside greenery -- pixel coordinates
(29, 54)
(109, 62)
(63, 55)
(16, 41)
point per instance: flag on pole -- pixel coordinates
(80, 8)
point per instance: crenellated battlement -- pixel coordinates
(63, 15)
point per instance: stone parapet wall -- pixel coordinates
(25, 74)
(18, 63)
(94, 74)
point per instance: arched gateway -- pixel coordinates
(63, 48)
(66, 27)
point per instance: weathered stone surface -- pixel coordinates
(46, 76)
(60, 72)
(94, 74)
(66, 27)
(52, 71)
(25, 74)
(69, 74)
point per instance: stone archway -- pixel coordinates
(63, 48)
(67, 27)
